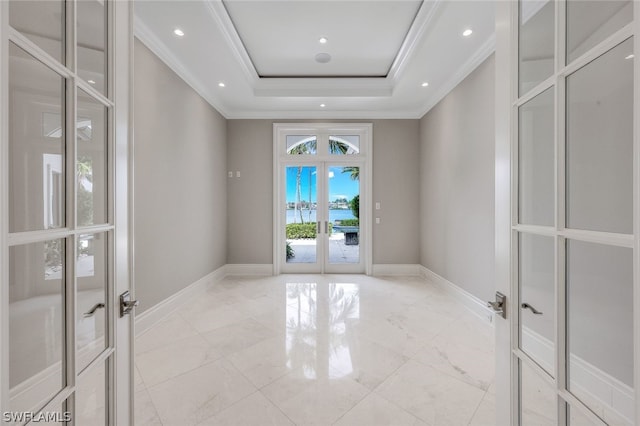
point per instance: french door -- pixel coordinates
(321, 218)
(568, 254)
(66, 354)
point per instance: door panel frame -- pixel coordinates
(506, 220)
(280, 159)
(116, 230)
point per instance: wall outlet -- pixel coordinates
(377, 205)
(238, 174)
(377, 220)
(231, 174)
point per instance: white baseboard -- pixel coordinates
(382, 269)
(471, 302)
(238, 269)
(608, 396)
(156, 313)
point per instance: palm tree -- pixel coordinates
(355, 172)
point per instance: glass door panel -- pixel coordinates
(36, 322)
(343, 212)
(42, 22)
(91, 162)
(302, 222)
(36, 144)
(537, 299)
(536, 161)
(590, 22)
(91, 396)
(537, 399)
(600, 143)
(536, 43)
(91, 270)
(92, 36)
(600, 328)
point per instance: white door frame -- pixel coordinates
(506, 193)
(118, 100)
(281, 159)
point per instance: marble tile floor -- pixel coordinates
(317, 350)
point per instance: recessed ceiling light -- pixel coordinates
(467, 32)
(178, 32)
(323, 58)
(322, 105)
(631, 56)
(221, 84)
(91, 82)
(425, 84)
(323, 40)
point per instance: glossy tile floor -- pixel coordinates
(317, 349)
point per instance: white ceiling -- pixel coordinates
(382, 51)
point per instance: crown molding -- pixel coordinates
(424, 18)
(149, 39)
(219, 13)
(487, 48)
(324, 115)
(323, 87)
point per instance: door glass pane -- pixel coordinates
(344, 145)
(36, 322)
(302, 204)
(600, 328)
(42, 22)
(577, 418)
(537, 290)
(91, 164)
(600, 143)
(590, 22)
(302, 144)
(92, 37)
(344, 211)
(91, 396)
(536, 161)
(536, 43)
(36, 144)
(91, 269)
(537, 399)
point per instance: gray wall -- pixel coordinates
(180, 182)
(457, 184)
(395, 185)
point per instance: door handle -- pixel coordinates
(499, 305)
(126, 304)
(525, 305)
(93, 310)
(319, 228)
(326, 226)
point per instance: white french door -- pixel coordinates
(568, 171)
(321, 216)
(66, 353)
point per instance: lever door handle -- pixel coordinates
(498, 306)
(93, 310)
(525, 305)
(319, 228)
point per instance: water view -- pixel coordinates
(335, 214)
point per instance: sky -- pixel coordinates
(340, 184)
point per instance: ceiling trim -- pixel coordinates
(324, 87)
(325, 115)
(148, 38)
(219, 13)
(422, 21)
(487, 48)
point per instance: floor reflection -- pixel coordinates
(319, 323)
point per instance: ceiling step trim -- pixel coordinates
(149, 39)
(480, 55)
(423, 20)
(220, 15)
